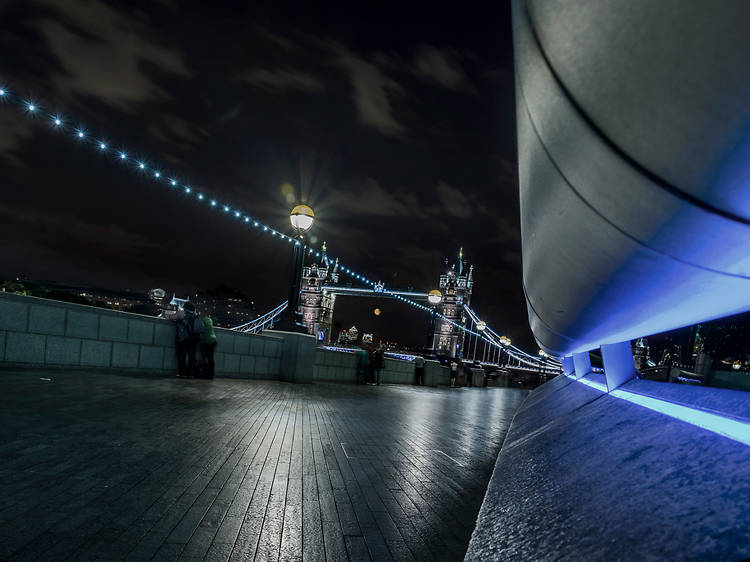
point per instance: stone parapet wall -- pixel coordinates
(39, 332)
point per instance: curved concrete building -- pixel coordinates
(634, 165)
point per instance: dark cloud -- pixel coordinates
(103, 53)
(281, 80)
(441, 66)
(373, 94)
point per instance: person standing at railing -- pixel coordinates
(378, 364)
(188, 328)
(208, 345)
(419, 370)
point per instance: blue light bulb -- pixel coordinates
(102, 146)
(173, 182)
(226, 208)
(141, 165)
(32, 107)
(187, 189)
(123, 156)
(213, 203)
(57, 121)
(200, 196)
(236, 213)
(157, 174)
(80, 134)
(2, 92)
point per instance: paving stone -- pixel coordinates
(103, 466)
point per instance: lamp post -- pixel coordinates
(434, 297)
(302, 218)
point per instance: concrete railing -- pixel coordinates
(38, 332)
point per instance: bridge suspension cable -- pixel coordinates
(264, 322)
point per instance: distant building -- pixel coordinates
(348, 337)
(456, 286)
(316, 304)
(226, 306)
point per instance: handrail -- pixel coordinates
(262, 322)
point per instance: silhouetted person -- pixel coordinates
(419, 370)
(378, 364)
(454, 372)
(188, 329)
(208, 345)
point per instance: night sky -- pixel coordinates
(396, 124)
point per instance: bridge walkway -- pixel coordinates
(96, 466)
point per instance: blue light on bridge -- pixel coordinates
(247, 219)
(141, 165)
(81, 134)
(213, 203)
(237, 213)
(157, 174)
(102, 146)
(226, 209)
(123, 156)
(58, 121)
(2, 92)
(200, 196)
(173, 183)
(31, 107)
(187, 189)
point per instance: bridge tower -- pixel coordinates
(317, 305)
(456, 285)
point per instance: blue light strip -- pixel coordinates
(730, 428)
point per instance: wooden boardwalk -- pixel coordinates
(96, 466)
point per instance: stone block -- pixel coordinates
(170, 359)
(256, 345)
(272, 348)
(274, 366)
(241, 344)
(13, 315)
(151, 357)
(24, 348)
(96, 353)
(219, 361)
(261, 366)
(297, 357)
(125, 355)
(247, 364)
(46, 319)
(164, 334)
(140, 331)
(63, 351)
(113, 328)
(82, 325)
(231, 363)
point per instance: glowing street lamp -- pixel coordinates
(481, 325)
(434, 298)
(302, 218)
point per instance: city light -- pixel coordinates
(102, 146)
(58, 122)
(81, 134)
